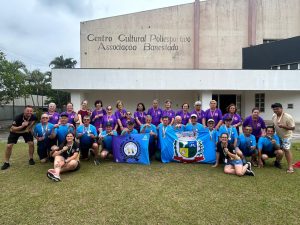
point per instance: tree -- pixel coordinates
(60, 62)
(12, 80)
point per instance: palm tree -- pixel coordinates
(60, 62)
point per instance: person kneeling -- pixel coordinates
(233, 162)
(105, 139)
(66, 158)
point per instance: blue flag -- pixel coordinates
(132, 148)
(186, 147)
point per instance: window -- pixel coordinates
(294, 66)
(284, 67)
(260, 101)
(290, 106)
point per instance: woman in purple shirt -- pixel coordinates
(120, 115)
(257, 123)
(139, 116)
(214, 113)
(72, 116)
(155, 112)
(199, 112)
(236, 118)
(53, 115)
(168, 112)
(98, 114)
(184, 113)
(110, 117)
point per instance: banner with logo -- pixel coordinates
(131, 148)
(187, 147)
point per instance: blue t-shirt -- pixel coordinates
(62, 131)
(213, 135)
(86, 131)
(134, 131)
(43, 130)
(179, 129)
(245, 143)
(107, 139)
(148, 130)
(196, 128)
(265, 144)
(231, 131)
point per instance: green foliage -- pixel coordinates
(174, 193)
(60, 62)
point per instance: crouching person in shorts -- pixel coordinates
(66, 158)
(105, 139)
(233, 162)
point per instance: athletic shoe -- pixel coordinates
(97, 162)
(277, 164)
(250, 173)
(249, 166)
(5, 166)
(31, 162)
(53, 176)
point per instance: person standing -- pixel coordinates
(155, 112)
(84, 111)
(184, 113)
(214, 113)
(169, 112)
(236, 118)
(21, 126)
(53, 115)
(284, 125)
(139, 115)
(98, 115)
(199, 112)
(72, 116)
(257, 123)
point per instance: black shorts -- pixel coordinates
(13, 137)
(269, 154)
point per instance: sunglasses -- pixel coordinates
(109, 109)
(45, 117)
(223, 137)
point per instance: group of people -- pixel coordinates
(67, 137)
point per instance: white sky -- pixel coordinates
(37, 31)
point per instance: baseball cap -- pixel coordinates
(109, 124)
(227, 118)
(194, 115)
(210, 120)
(64, 114)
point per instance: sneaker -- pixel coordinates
(249, 166)
(31, 162)
(5, 166)
(277, 164)
(250, 173)
(53, 176)
(97, 162)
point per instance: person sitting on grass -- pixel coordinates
(87, 135)
(247, 144)
(129, 129)
(233, 162)
(269, 147)
(105, 139)
(66, 158)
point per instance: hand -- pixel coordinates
(25, 124)
(273, 141)
(280, 125)
(65, 148)
(56, 125)
(260, 163)
(40, 138)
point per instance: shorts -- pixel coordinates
(249, 152)
(286, 143)
(13, 137)
(269, 154)
(234, 162)
(107, 149)
(84, 149)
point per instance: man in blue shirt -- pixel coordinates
(41, 132)
(105, 139)
(87, 135)
(247, 144)
(269, 147)
(194, 125)
(177, 125)
(129, 129)
(150, 128)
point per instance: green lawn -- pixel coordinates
(158, 194)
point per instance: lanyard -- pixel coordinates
(164, 130)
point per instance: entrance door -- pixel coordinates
(225, 101)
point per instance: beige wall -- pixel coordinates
(223, 33)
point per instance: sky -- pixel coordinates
(37, 31)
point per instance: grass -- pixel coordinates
(157, 194)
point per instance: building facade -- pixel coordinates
(185, 53)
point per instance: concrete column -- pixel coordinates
(205, 98)
(252, 14)
(76, 99)
(196, 33)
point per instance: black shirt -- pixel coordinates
(220, 149)
(20, 119)
(71, 151)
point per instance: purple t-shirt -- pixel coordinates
(121, 116)
(184, 116)
(169, 113)
(155, 114)
(256, 125)
(112, 119)
(142, 118)
(53, 118)
(236, 118)
(97, 121)
(200, 114)
(216, 115)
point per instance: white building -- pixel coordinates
(185, 53)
